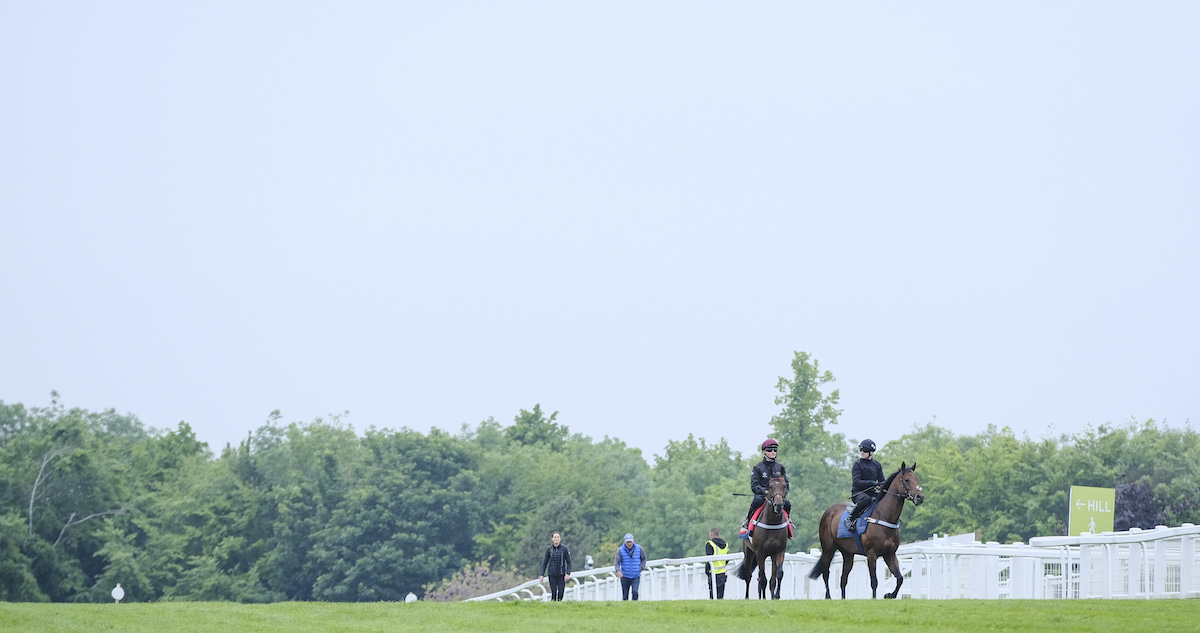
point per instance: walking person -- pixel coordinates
(556, 565)
(716, 569)
(630, 561)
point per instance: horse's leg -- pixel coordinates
(748, 564)
(828, 547)
(774, 568)
(893, 564)
(871, 557)
(847, 565)
(777, 581)
(823, 564)
(762, 578)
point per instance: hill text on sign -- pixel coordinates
(1091, 510)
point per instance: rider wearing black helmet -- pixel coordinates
(760, 478)
(866, 483)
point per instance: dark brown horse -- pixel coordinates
(878, 540)
(768, 540)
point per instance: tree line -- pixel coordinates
(318, 511)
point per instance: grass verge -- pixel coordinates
(857, 616)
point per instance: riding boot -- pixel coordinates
(745, 531)
(850, 520)
(860, 506)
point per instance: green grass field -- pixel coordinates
(1057, 616)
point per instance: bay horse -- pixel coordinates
(878, 540)
(768, 540)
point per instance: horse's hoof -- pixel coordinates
(888, 596)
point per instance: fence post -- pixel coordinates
(1160, 568)
(1187, 564)
(1135, 570)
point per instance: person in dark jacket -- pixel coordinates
(556, 565)
(866, 481)
(760, 478)
(716, 569)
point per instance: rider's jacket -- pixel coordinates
(760, 477)
(864, 475)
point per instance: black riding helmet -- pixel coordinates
(866, 445)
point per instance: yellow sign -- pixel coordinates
(1091, 510)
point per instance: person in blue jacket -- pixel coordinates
(629, 563)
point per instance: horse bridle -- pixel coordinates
(782, 499)
(907, 493)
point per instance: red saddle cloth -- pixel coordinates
(759, 511)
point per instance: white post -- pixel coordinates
(991, 573)
(1108, 567)
(1160, 568)
(1187, 564)
(1135, 570)
(1020, 573)
(1085, 570)
(954, 573)
(1069, 577)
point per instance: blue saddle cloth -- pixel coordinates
(860, 525)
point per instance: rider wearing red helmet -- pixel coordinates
(760, 477)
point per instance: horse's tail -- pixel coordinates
(820, 568)
(745, 570)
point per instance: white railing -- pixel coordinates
(1159, 563)
(666, 579)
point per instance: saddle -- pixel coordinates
(786, 521)
(860, 525)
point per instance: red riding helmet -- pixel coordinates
(769, 443)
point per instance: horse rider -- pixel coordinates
(866, 483)
(760, 479)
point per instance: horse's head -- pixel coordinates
(777, 490)
(909, 484)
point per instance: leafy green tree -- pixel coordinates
(411, 518)
(305, 471)
(63, 473)
(676, 521)
(560, 514)
(313, 511)
(816, 458)
(194, 532)
(1163, 465)
(17, 583)
(993, 482)
(609, 481)
(533, 427)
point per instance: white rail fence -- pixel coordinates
(1159, 563)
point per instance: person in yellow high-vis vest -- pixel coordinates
(716, 569)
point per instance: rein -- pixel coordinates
(777, 526)
(907, 494)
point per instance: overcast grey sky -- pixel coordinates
(632, 213)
